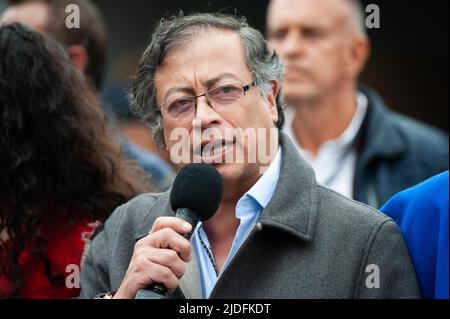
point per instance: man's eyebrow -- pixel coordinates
(176, 90)
(220, 77)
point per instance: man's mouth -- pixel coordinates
(295, 72)
(213, 152)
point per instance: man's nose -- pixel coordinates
(293, 45)
(206, 114)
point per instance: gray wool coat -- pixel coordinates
(309, 243)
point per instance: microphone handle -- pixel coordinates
(156, 290)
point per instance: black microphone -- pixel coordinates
(196, 195)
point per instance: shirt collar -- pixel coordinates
(345, 139)
(352, 130)
(264, 188)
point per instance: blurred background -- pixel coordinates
(409, 64)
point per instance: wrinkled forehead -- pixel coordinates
(304, 12)
(201, 58)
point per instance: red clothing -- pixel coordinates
(66, 245)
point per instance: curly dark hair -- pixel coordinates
(58, 159)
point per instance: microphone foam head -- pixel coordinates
(198, 187)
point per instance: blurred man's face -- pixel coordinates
(212, 60)
(314, 39)
(32, 14)
(36, 15)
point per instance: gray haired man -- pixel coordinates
(355, 144)
(276, 234)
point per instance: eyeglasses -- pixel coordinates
(220, 99)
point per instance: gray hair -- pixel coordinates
(174, 32)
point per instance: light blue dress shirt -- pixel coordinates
(248, 210)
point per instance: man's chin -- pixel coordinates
(298, 94)
(228, 171)
(232, 172)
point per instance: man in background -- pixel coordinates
(87, 48)
(356, 145)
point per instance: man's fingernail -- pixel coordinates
(187, 226)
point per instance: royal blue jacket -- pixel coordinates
(422, 214)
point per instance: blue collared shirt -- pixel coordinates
(248, 210)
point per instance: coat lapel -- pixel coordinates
(190, 284)
(293, 207)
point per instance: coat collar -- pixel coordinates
(379, 136)
(293, 208)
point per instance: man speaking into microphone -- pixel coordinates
(276, 233)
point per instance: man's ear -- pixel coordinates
(78, 54)
(272, 99)
(360, 52)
